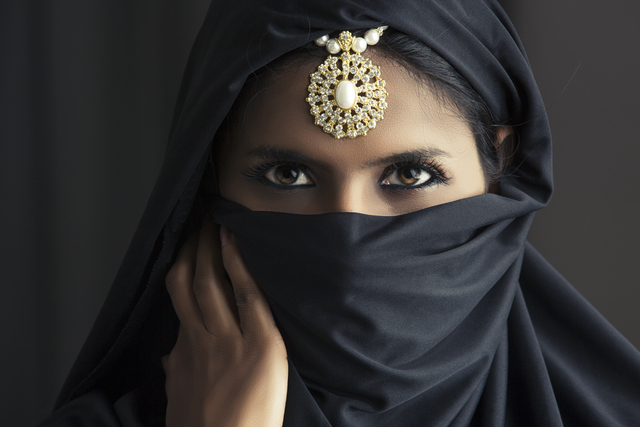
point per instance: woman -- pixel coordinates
(394, 306)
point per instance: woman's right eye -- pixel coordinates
(287, 175)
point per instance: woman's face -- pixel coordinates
(422, 154)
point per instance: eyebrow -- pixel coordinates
(282, 154)
(285, 155)
(427, 152)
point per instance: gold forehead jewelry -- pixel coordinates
(347, 95)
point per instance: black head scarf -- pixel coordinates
(444, 316)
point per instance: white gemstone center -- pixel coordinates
(346, 94)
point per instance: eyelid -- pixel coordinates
(430, 165)
(259, 171)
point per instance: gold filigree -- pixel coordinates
(345, 40)
(370, 93)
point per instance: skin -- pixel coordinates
(347, 174)
(229, 364)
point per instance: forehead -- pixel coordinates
(279, 116)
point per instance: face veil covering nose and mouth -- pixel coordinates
(421, 318)
(384, 316)
(440, 317)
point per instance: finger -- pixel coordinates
(211, 287)
(179, 280)
(253, 308)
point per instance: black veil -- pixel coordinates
(471, 327)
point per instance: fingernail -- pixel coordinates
(224, 235)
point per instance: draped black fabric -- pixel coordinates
(386, 318)
(443, 316)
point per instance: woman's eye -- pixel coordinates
(287, 175)
(407, 176)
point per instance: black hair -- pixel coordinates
(424, 64)
(451, 87)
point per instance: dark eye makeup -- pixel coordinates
(289, 173)
(413, 173)
(409, 173)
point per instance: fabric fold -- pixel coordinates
(443, 316)
(379, 313)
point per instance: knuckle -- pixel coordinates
(201, 285)
(246, 296)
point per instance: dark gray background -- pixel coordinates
(86, 94)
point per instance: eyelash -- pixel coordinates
(431, 166)
(259, 170)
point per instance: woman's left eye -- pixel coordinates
(407, 176)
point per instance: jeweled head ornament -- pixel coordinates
(347, 95)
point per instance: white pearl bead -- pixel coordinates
(359, 45)
(345, 94)
(333, 46)
(321, 41)
(372, 37)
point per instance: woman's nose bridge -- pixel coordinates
(350, 196)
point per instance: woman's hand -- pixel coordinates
(229, 365)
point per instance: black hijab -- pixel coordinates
(444, 316)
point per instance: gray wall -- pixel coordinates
(586, 58)
(86, 93)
